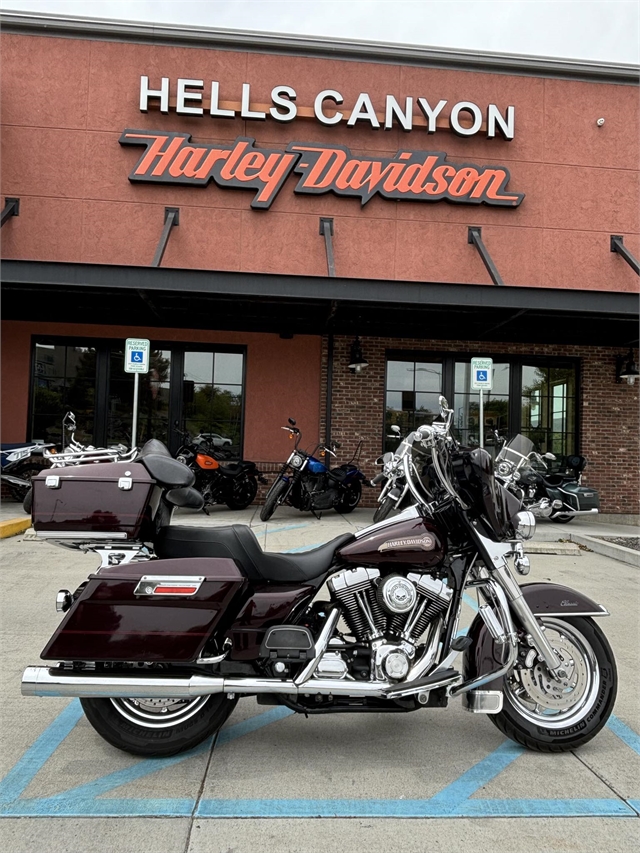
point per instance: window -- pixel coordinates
(536, 398)
(413, 388)
(199, 390)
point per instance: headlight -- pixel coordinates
(524, 523)
(296, 461)
(504, 469)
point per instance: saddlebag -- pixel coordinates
(158, 610)
(94, 501)
(580, 498)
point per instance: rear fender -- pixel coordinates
(544, 599)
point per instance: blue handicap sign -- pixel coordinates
(137, 357)
(482, 375)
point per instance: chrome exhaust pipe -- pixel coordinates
(42, 681)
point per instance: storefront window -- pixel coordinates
(91, 382)
(212, 394)
(548, 408)
(413, 388)
(64, 379)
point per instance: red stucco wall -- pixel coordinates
(282, 379)
(64, 110)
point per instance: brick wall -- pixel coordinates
(608, 421)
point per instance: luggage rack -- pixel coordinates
(114, 549)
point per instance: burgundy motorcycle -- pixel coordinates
(179, 622)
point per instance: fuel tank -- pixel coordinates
(416, 541)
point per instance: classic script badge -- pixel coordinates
(171, 158)
(424, 543)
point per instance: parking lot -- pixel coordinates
(431, 780)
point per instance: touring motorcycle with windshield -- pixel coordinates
(308, 484)
(180, 622)
(556, 496)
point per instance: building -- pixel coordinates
(260, 207)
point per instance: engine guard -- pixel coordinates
(545, 599)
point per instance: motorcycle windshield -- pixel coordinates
(518, 449)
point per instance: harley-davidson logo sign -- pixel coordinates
(422, 543)
(171, 158)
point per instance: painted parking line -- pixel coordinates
(455, 800)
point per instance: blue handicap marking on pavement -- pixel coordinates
(137, 357)
(454, 800)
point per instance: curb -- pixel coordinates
(608, 549)
(564, 549)
(13, 526)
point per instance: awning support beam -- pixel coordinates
(474, 237)
(11, 208)
(326, 231)
(171, 218)
(617, 245)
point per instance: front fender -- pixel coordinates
(544, 599)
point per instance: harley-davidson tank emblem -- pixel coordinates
(424, 543)
(427, 176)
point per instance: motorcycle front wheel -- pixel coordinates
(243, 492)
(157, 728)
(547, 715)
(383, 510)
(274, 497)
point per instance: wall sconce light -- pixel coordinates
(626, 368)
(357, 361)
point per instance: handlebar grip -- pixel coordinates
(378, 478)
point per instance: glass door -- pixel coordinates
(153, 399)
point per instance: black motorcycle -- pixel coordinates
(306, 483)
(556, 496)
(234, 483)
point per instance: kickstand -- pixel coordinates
(205, 510)
(316, 515)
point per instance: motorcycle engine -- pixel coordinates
(319, 492)
(389, 613)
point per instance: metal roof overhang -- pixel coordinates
(199, 299)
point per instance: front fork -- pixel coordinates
(495, 556)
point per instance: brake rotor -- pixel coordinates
(543, 689)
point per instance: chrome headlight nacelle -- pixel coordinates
(524, 523)
(296, 461)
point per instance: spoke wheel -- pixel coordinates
(553, 715)
(157, 727)
(244, 490)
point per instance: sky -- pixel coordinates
(596, 30)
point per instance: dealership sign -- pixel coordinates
(171, 158)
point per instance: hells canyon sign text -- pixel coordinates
(171, 158)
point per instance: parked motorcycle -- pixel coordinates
(307, 484)
(21, 462)
(395, 494)
(160, 651)
(558, 497)
(234, 483)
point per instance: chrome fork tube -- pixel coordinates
(516, 600)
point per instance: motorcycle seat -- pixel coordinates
(239, 543)
(166, 470)
(234, 469)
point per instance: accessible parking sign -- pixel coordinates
(481, 374)
(136, 355)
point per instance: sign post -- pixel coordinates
(136, 361)
(481, 380)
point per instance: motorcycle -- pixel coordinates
(160, 650)
(234, 484)
(558, 497)
(20, 463)
(306, 483)
(395, 494)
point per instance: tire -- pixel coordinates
(139, 727)
(383, 511)
(561, 519)
(274, 496)
(27, 503)
(243, 492)
(27, 473)
(350, 498)
(566, 721)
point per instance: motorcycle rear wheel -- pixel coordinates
(243, 492)
(27, 473)
(350, 498)
(157, 728)
(273, 499)
(545, 715)
(559, 518)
